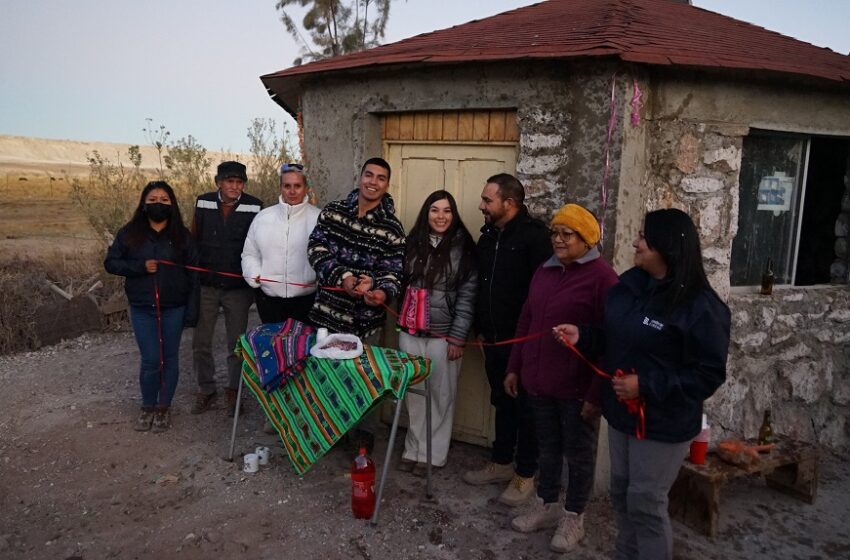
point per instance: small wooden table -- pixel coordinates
(791, 467)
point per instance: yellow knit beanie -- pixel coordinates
(580, 221)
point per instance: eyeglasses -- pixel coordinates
(562, 235)
(291, 167)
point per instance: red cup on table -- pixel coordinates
(699, 446)
(699, 449)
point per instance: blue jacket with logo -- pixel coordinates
(679, 357)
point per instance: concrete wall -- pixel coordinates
(789, 351)
(562, 111)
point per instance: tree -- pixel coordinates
(268, 151)
(336, 27)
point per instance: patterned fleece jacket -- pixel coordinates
(343, 243)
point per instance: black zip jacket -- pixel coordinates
(177, 285)
(220, 241)
(507, 259)
(679, 358)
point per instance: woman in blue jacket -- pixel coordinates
(668, 330)
(163, 298)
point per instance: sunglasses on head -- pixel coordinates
(291, 167)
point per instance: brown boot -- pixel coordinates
(161, 419)
(231, 402)
(143, 422)
(203, 403)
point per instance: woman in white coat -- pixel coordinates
(274, 258)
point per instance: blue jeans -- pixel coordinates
(158, 386)
(561, 432)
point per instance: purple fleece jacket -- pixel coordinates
(561, 294)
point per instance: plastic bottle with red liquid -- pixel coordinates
(362, 486)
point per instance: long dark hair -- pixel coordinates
(672, 233)
(138, 226)
(419, 247)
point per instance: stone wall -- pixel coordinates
(562, 111)
(789, 352)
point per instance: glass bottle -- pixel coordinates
(767, 279)
(766, 430)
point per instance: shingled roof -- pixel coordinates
(658, 32)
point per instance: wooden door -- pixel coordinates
(462, 169)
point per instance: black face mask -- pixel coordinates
(158, 212)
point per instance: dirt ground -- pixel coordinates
(77, 482)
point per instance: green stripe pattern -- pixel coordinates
(313, 410)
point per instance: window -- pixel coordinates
(791, 188)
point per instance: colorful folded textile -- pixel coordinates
(315, 408)
(280, 349)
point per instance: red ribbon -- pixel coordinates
(635, 406)
(159, 333)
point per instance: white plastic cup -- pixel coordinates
(263, 454)
(321, 334)
(252, 463)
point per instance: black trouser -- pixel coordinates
(561, 432)
(515, 439)
(278, 310)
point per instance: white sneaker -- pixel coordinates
(519, 491)
(541, 516)
(569, 532)
(492, 472)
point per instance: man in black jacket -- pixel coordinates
(511, 247)
(220, 226)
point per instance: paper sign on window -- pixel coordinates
(775, 192)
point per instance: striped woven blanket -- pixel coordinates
(315, 408)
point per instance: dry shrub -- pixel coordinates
(20, 296)
(24, 288)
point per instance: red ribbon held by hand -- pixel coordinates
(636, 406)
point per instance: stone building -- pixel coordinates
(626, 106)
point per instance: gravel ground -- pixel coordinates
(77, 482)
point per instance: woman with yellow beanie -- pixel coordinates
(563, 392)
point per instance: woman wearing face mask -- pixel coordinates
(163, 298)
(668, 330)
(276, 250)
(437, 313)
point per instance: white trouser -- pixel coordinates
(443, 386)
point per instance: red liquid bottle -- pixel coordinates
(363, 486)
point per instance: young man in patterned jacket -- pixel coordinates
(358, 245)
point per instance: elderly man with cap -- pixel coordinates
(221, 223)
(563, 392)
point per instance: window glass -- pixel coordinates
(770, 188)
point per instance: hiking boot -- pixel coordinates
(569, 532)
(541, 516)
(161, 419)
(203, 403)
(231, 402)
(492, 472)
(143, 422)
(518, 492)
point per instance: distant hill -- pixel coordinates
(68, 157)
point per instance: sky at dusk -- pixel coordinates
(97, 69)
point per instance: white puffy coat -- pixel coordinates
(276, 249)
